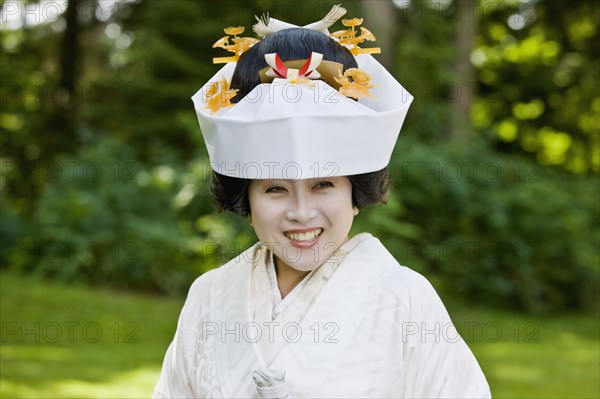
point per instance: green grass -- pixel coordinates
(37, 362)
(522, 356)
(526, 356)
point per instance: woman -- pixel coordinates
(307, 311)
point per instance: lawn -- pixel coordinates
(63, 341)
(526, 356)
(66, 341)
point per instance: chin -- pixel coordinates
(305, 267)
(309, 260)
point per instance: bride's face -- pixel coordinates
(302, 221)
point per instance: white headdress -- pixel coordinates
(293, 128)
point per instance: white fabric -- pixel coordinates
(271, 384)
(280, 315)
(279, 303)
(276, 305)
(300, 131)
(368, 328)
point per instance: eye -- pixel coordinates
(324, 184)
(275, 189)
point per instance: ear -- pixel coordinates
(355, 211)
(250, 219)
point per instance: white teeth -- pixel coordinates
(308, 236)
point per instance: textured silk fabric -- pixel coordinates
(365, 327)
(279, 303)
(282, 324)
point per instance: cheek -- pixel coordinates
(264, 217)
(345, 197)
(258, 215)
(341, 210)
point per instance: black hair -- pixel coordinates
(289, 44)
(231, 193)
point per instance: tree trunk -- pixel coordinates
(70, 48)
(60, 134)
(380, 18)
(462, 95)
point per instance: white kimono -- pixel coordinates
(359, 326)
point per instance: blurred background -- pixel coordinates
(106, 217)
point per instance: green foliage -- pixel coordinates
(106, 218)
(485, 216)
(474, 226)
(552, 111)
(524, 239)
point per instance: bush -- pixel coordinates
(113, 220)
(484, 227)
(494, 229)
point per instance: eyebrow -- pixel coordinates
(291, 181)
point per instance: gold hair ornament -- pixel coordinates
(355, 83)
(348, 37)
(218, 95)
(239, 46)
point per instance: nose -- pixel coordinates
(301, 209)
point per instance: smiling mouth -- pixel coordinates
(304, 236)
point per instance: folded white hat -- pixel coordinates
(285, 130)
